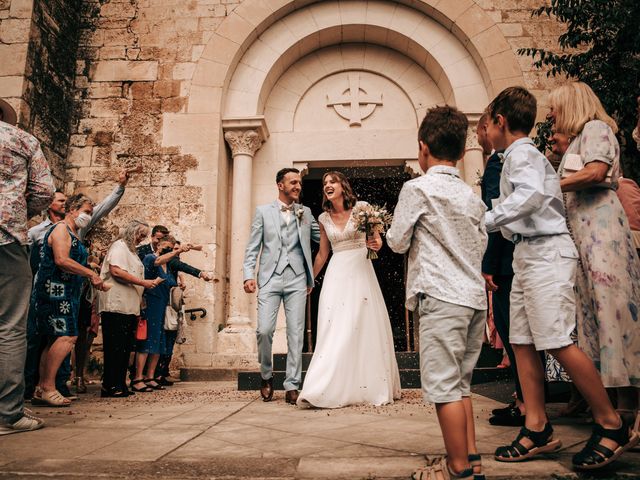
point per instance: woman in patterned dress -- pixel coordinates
(56, 294)
(608, 280)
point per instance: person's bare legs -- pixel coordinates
(141, 360)
(531, 378)
(471, 431)
(151, 368)
(453, 421)
(53, 357)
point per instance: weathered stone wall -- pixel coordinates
(38, 46)
(15, 31)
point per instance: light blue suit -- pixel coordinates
(285, 272)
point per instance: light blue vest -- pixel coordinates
(291, 251)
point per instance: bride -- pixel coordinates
(354, 361)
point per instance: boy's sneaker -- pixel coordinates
(26, 424)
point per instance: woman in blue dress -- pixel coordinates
(56, 293)
(149, 350)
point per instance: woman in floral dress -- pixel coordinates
(608, 280)
(56, 294)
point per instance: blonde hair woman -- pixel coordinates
(608, 282)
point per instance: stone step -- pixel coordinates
(489, 357)
(409, 378)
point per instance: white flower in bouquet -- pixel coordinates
(371, 219)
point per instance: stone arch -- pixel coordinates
(462, 19)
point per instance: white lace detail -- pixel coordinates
(347, 239)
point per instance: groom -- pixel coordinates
(283, 231)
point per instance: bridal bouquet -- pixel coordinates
(371, 219)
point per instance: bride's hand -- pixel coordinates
(374, 244)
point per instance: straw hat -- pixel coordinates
(8, 113)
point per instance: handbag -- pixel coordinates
(573, 163)
(141, 329)
(181, 335)
(170, 319)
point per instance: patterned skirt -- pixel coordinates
(607, 285)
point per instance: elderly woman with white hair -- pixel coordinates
(120, 306)
(608, 280)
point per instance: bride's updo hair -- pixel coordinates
(348, 196)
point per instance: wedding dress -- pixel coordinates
(354, 361)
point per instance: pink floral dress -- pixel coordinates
(608, 278)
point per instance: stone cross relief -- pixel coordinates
(354, 104)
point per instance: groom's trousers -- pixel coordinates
(290, 288)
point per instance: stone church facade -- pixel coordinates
(212, 97)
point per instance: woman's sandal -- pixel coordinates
(52, 398)
(475, 460)
(594, 455)
(155, 385)
(437, 469)
(146, 388)
(542, 443)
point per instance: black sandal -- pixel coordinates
(146, 388)
(157, 386)
(594, 455)
(475, 460)
(542, 443)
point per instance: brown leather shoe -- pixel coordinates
(266, 390)
(291, 396)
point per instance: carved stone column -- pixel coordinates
(473, 164)
(244, 137)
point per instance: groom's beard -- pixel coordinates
(295, 198)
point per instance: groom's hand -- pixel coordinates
(250, 286)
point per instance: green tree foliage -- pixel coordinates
(600, 47)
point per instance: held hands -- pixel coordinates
(490, 286)
(250, 286)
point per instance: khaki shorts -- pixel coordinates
(450, 343)
(543, 304)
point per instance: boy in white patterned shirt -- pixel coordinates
(440, 221)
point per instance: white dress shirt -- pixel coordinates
(286, 214)
(530, 202)
(440, 221)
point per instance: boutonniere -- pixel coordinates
(478, 181)
(299, 212)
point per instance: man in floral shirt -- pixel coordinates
(26, 188)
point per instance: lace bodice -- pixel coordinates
(346, 239)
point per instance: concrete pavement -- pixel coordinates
(209, 430)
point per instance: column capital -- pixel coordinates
(245, 135)
(472, 139)
(243, 142)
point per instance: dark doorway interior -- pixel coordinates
(380, 186)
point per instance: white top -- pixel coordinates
(530, 202)
(440, 221)
(286, 214)
(122, 297)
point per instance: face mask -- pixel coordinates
(164, 251)
(83, 220)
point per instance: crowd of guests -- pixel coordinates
(62, 292)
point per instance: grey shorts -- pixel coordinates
(450, 343)
(543, 305)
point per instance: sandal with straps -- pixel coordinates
(146, 388)
(437, 469)
(157, 386)
(543, 442)
(475, 460)
(51, 398)
(594, 455)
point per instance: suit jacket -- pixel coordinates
(498, 257)
(265, 241)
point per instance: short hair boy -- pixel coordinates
(440, 221)
(531, 214)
